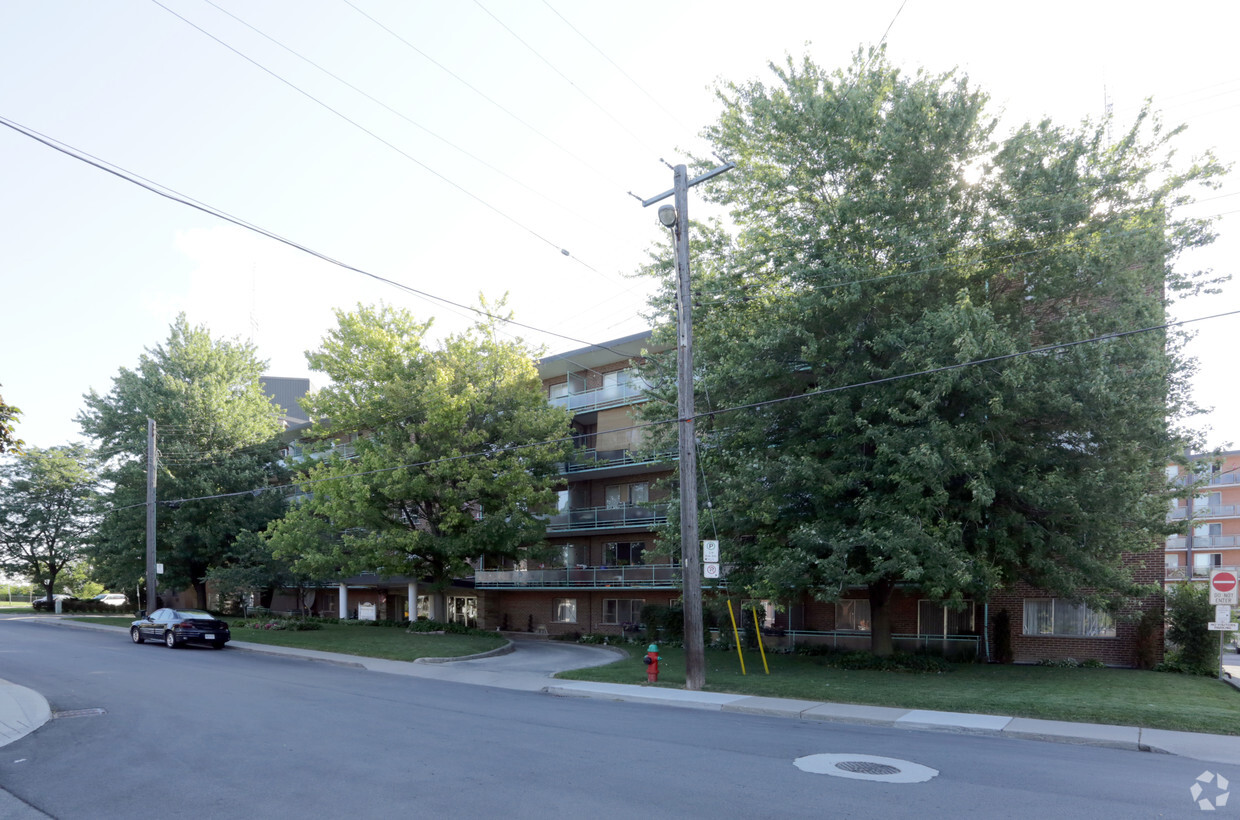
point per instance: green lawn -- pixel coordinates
(368, 641)
(1124, 697)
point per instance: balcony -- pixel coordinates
(601, 398)
(1205, 511)
(628, 516)
(1198, 574)
(1203, 542)
(641, 576)
(605, 459)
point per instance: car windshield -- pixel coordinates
(196, 614)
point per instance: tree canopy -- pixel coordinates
(217, 434)
(8, 421)
(454, 452)
(47, 510)
(876, 305)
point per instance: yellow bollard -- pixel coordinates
(760, 647)
(736, 635)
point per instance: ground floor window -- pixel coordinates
(564, 611)
(462, 610)
(1055, 616)
(622, 610)
(939, 621)
(852, 615)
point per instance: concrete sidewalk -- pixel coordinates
(531, 666)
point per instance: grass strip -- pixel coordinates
(1122, 697)
(390, 643)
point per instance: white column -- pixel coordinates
(344, 602)
(413, 600)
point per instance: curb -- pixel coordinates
(506, 649)
(26, 710)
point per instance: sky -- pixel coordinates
(490, 147)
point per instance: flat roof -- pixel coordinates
(594, 356)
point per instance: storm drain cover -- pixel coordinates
(866, 767)
(72, 713)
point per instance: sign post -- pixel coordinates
(1224, 594)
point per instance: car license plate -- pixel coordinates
(207, 636)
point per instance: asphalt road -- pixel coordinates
(202, 734)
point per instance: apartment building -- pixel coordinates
(602, 563)
(1209, 519)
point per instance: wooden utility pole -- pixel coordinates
(690, 557)
(152, 460)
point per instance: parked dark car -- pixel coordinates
(179, 626)
(44, 604)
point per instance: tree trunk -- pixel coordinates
(200, 594)
(880, 617)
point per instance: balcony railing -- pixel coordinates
(1198, 573)
(599, 459)
(640, 576)
(1205, 511)
(602, 518)
(601, 398)
(1201, 542)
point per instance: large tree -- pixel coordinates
(879, 230)
(456, 452)
(216, 439)
(47, 506)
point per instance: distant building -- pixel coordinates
(1209, 519)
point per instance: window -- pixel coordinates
(558, 391)
(462, 610)
(564, 610)
(622, 610)
(1173, 561)
(570, 555)
(1207, 531)
(615, 379)
(1203, 562)
(1054, 616)
(625, 495)
(852, 616)
(935, 619)
(624, 553)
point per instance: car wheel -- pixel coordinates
(136, 634)
(170, 640)
(217, 644)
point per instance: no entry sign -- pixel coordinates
(1223, 587)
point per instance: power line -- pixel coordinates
(169, 193)
(636, 85)
(372, 134)
(567, 79)
(546, 198)
(716, 412)
(477, 91)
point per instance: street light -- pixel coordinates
(667, 215)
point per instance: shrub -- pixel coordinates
(1196, 648)
(1072, 663)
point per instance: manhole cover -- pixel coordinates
(865, 767)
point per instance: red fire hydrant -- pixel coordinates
(652, 663)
